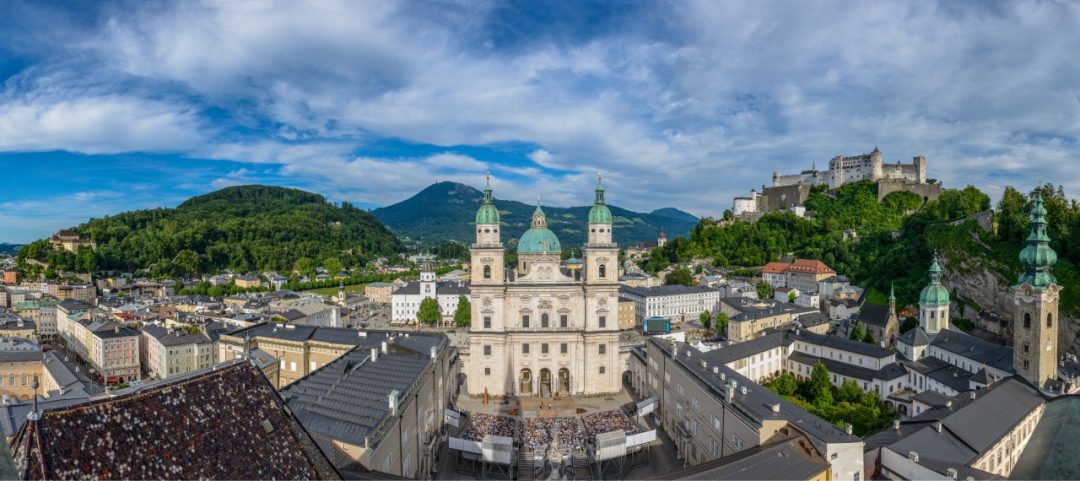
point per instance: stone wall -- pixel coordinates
(927, 191)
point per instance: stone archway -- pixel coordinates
(564, 382)
(525, 383)
(545, 382)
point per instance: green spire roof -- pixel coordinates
(599, 214)
(1038, 257)
(487, 214)
(934, 294)
(539, 239)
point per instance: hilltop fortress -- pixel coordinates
(788, 192)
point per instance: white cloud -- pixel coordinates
(692, 109)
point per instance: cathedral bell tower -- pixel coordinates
(934, 302)
(1036, 294)
(601, 254)
(487, 253)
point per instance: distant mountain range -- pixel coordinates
(9, 249)
(447, 210)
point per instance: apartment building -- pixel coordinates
(680, 303)
(166, 353)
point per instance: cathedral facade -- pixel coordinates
(539, 328)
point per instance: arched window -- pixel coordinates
(603, 270)
(1027, 320)
(544, 320)
(1049, 320)
(487, 272)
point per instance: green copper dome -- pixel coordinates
(539, 239)
(599, 214)
(487, 214)
(1038, 257)
(934, 294)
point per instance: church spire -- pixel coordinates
(1037, 258)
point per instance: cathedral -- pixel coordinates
(539, 328)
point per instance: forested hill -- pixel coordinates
(246, 228)
(897, 238)
(447, 211)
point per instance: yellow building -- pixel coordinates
(248, 282)
(70, 241)
(20, 365)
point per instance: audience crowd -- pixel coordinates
(608, 421)
(481, 425)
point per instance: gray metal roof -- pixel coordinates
(1051, 451)
(743, 350)
(668, 290)
(974, 348)
(757, 402)
(175, 338)
(442, 288)
(834, 366)
(942, 372)
(841, 343)
(790, 459)
(347, 399)
(874, 314)
(915, 337)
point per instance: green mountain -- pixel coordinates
(446, 211)
(246, 228)
(9, 249)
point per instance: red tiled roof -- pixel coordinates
(775, 267)
(810, 266)
(226, 423)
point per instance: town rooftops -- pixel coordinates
(71, 305)
(757, 403)
(787, 455)
(175, 338)
(454, 288)
(874, 314)
(775, 268)
(750, 309)
(416, 341)
(970, 427)
(743, 350)
(19, 351)
(221, 423)
(346, 400)
(840, 343)
(995, 355)
(1051, 451)
(669, 290)
(947, 374)
(915, 337)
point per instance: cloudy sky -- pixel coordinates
(106, 107)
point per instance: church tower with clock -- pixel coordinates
(1036, 295)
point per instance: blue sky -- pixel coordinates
(111, 106)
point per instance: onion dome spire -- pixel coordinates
(1037, 258)
(487, 214)
(599, 214)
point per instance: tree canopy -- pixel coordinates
(463, 314)
(429, 312)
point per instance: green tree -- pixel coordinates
(820, 387)
(849, 392)
(429, 311)
(786, 384)
(463, 314)
(908, 324)
(679, 275)
(332, 265)
(706, 318)
(1012, 216)
(86, 260)
(764, 290)
(869, 338)
(721, 323)
(188, 262)
(857, 332)
(305, 266)
(791, 296)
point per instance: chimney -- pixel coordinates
(374, 354)
(362, 334)
(776, 408)
(715, 369)
(393, 401)
(116, 329)
(948, 404)
(434, 352)
(951, 472)
(914, 456)
(384, 347)
(971, 395)
(896, 424)
(937, 426)
(730, 388)
(848, 429)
